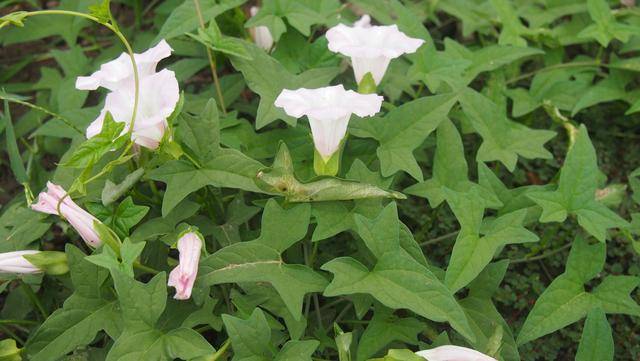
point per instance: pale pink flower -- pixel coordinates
(184, 275)
(14, 262)
(158, 94)
(81, 220)
(260, 34)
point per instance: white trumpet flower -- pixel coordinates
(370, 48)
(328, 110)
(158, 94)
(118, 73)
(453, 353)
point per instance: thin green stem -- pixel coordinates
(439, 239)
(44, 110)
(18, 322)
(147, 269)
(542, 256)
(212, 61)
(576, 64)
(12, 334)
(222, 351)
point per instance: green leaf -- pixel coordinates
(250, 338)
(450, 170)
(15, 160)
(385, 328)
(502, 139)
(9, 351)
(280, 179)
(512, 29)
(382, 234)
(20, 226)
(301, 14)
(269, 84)
(398, 281)
(576, 193)
(180, 343)
(111, 191)
(183, 18)
(297, 54)
(606, 27)
(101, 11)
(121, 218)
(260, 260)
(471, 252)
(141, 304)
(297, 351)
(565, 301)
(123, 261)
(86, 312)
(212, 38)
(163, 226)
(92, 150)
(220, 167)
(493, 334)
(458, 66)
(400, 355)
(402, 130)
(596, 343)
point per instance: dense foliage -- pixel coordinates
(467, 178)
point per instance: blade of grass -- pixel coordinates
(15, 161)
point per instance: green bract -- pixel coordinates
(320, 180)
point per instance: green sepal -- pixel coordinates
(367, 85)
(50, 262)
(108, 236)
(328, 167)
(9, 351)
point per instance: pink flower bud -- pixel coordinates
(184, 275)
(80, 219)
(14, 262)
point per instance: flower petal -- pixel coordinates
(453, 353)
(118, 73)
(371, 42)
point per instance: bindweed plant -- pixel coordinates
(313, 180)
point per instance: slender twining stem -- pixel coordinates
(212, 61)
(44, 110)
(542, 256)
(576, 64)
(144, 268)
(439, 239)
(223, 350)
(120, 36)
(18, 322)
(12, 334)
